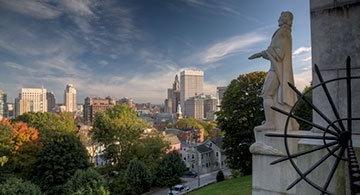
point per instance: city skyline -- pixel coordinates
(134, 49)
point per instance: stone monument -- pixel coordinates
(335, 34)
(277, 93)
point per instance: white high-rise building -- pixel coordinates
(70, 98)
(31, 100)
(191, 84)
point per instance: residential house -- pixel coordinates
(204, 157)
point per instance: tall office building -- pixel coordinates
(31, 100)
(3, 105)
(51, 102)
(191, 84)
(70, 98)
(94, 105)
(173, 97)
(194, 107)
(211, 106)
(221, 92)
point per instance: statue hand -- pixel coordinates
(257, 55)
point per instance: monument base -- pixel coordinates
(270, 179)
(274, 179)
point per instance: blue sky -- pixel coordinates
(134, 48)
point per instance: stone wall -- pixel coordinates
(335, 34)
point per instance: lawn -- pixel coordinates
(236, 186)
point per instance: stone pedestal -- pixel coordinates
(271, 179)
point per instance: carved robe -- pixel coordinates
(280, 55)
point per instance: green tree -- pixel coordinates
(303, 110)
(6, 144)
(15, 186)
(49, 124)
(118, 129)
(58, 161)
(170, 169)
(86, 182)
(137, 178)
(150, 149)
(241, 111)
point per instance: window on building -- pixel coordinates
(217, 153)
(192, 165)
(202, 156)
(192, 156)
(210, 145)
(184, 158)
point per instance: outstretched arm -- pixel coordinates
(257, 55)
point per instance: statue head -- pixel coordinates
(286, 18)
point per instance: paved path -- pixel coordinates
(193, 183)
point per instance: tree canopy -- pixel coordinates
(241, 110)
(118, 128)
(19, 145)
(58, 161)
(48, 123)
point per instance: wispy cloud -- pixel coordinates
(301, 50)
(38, 9)
(234, 45)
(307, 59)
(221, 8)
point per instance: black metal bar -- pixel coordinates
(329, 97)
(305, 121)
(348, 89)
(353, 171)
(313, 107)
(332, 172)
(303, 152)
(332, 80)
(303, 136)
(313, 167)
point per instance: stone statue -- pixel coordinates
(276, 91)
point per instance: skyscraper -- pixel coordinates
(173, 97)
(70, 98)
(3, 104)
(31, 100)
(191, 84)
(51, 103)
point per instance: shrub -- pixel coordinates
(15, 186)
(220, 176)
(86, 182)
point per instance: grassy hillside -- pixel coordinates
(236, 186)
